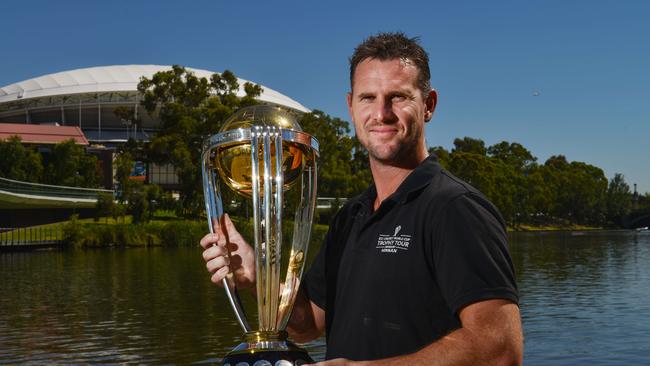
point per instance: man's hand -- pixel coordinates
(226, 252)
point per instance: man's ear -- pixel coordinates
(431, 102)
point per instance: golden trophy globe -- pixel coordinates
(263, 156)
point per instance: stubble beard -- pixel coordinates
(404, 153)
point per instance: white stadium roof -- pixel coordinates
(112, 79)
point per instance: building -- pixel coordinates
(87, 98)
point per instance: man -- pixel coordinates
(414, 271)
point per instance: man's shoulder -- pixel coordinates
(447, 190)
(452, 193)
(445, 187)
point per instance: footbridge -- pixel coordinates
(637, 219)
(27, 204)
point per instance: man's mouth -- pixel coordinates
(383, 130)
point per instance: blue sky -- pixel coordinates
(588, 60)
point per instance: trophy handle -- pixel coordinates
(214, 210)
(301, 234)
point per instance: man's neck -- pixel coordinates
(388, 177)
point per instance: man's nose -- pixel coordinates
(384, 112)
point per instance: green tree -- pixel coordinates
(442, 154)
(123, 167)
(341, 165)
(138, 205)
(104, 206)
(69, 165)
(517, 162)
(513, 154)
(19, 162)
(578, 190)
(470, 145)
(539, 197)
(619, 199)
(190, 109)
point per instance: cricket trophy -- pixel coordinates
(263, 156)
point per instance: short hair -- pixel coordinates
(391, 46)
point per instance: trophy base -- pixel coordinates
(266, 349)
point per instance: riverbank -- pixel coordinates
(168, 230)
(555, 227)
(162, 231)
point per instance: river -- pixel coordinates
(584, 300)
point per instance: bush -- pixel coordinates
(170, 233)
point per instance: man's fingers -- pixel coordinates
(208, 240)
(213, 252)
(219, 275)
(217, 263)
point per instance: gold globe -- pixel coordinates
(233, 162)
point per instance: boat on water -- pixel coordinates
(644, 228)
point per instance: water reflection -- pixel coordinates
(583, 297)
(147, 306)
(584, 300)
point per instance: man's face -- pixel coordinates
(389, 110)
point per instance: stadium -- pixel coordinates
(86, 98)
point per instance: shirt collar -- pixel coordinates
(419, 178)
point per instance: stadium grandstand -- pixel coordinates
(87, 98)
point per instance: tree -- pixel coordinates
(104, 206)
(123, 167)
(69, 165)
(513, 154)
(341, 166)
(517, 164)
(469, 145)
(578, 190)
(539, 197)
(442, 154)
(19, 162)
(190, 109)
(619, 199)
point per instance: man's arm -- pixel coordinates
(307, 321)
(491, 334)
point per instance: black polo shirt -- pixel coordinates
(393, 281)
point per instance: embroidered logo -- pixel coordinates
(387, 243)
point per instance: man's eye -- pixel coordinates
(398, 98)
(367, 98)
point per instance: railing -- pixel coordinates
(325, 203)
(36, 189)
(35, 236)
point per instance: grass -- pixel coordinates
(165, 229)
(554, 227)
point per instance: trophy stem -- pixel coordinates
(269, 247)
(267, 232)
